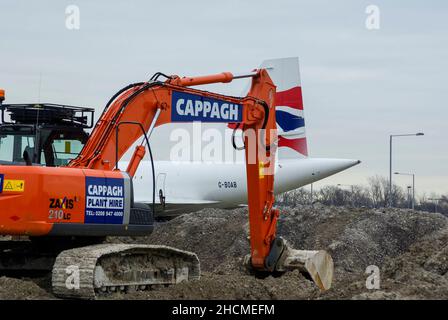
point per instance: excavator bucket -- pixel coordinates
(318, 264)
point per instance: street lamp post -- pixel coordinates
(312, 203)
(409, 197)
(413, 186)
(312, 193)
(390, 159)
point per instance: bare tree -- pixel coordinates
(374, 195)
(376, 192)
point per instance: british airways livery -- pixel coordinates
(188, 186)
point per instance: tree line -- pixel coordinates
(374, 195)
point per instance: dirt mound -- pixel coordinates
(422, 271)
(409, 247)
(419, 273)
(14, 289)
(356, 238)
(218, 237)
(235, 286)
(392, 239)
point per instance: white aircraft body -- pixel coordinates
(186, 186)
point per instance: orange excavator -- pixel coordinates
(68, 211)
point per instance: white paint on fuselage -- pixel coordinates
(190, 186)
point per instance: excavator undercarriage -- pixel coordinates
(110, 267)
(88, 268)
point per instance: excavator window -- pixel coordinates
(42, 134)
(59, 146)
(56, 147)
(12, 147)
(65, 150)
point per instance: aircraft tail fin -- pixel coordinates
(285, 74)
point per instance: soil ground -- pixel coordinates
(409, 247)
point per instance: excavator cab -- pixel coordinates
(42, 134)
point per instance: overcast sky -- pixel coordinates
(359, 85)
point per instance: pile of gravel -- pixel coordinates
(409, 247)
(21, 289)
(218, 237)
(356, 238)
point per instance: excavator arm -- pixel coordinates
(155, 103)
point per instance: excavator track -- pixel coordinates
(92, 271)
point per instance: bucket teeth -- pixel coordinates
(318, 264)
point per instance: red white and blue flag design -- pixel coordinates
(290, 120)
(289, 106)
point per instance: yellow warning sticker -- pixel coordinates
(14, 185)
(261, 170)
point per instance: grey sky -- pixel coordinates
(358, 85)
